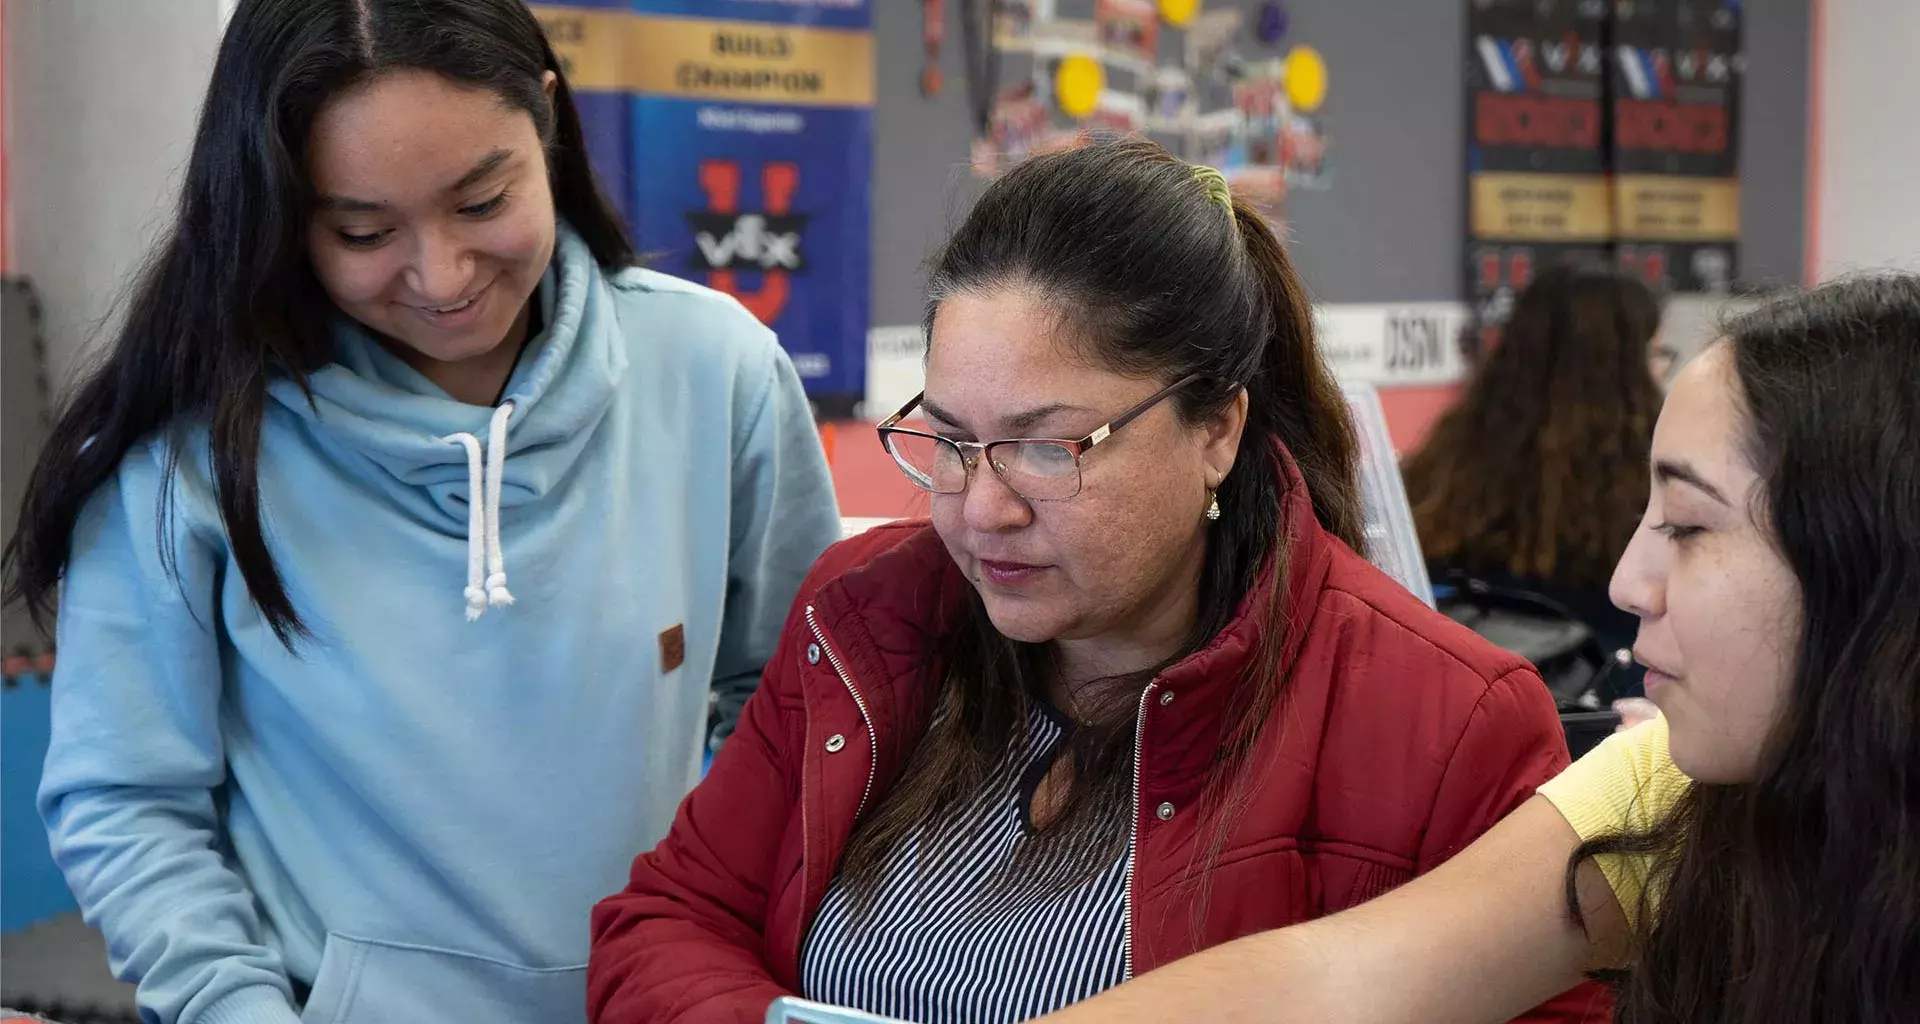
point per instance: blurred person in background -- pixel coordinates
(1536, 478)
(1131, 694)
(1752, 856)
(305, 731)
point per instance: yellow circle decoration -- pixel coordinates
(1306, 76)
(1178, 12)
(1077, 84)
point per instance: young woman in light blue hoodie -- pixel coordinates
(399, 540)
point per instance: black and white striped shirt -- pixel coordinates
(933, 951)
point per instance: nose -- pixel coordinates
(1639, 583)
(991, 505)
(440, 269)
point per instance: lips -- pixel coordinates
(1651, 666)
(1009, 574)
(454, 315)
(1657, 678)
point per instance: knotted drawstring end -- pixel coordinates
(497, 595)
(476, 603)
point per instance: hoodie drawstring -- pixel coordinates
(486, 562)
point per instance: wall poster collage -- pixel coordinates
(1221, 84)
(1604, 130)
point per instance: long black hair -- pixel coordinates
(228, 301)
(1160, 279)
(1796, 897)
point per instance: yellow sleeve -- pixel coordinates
(1625, 784)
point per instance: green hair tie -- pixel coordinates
(1216, 185)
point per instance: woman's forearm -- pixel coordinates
(1481, 939)
(1245, 981)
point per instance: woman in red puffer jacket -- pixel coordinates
(1132, 693)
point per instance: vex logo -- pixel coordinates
(752, 241)
(767, 241)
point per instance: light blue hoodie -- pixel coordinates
(415, 812)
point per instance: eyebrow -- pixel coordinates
(1672, 470)
(1015, 424)
(478, 173)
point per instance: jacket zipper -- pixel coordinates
(873, 761)
(873, 738)
(1133, 825)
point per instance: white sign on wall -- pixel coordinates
(1383, 345)
(896, 369)
(1387, 345)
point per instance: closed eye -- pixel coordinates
(485, 208)
(354, 241)
(1678, 532)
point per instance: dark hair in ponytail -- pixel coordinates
(1156, 278)
(228, 301)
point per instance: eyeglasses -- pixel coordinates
(1038, 469)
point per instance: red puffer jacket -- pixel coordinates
(1400, 738)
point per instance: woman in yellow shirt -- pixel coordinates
(1776, 576)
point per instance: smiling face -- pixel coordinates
(434, 217)
(1114, 569)
(1719, 607)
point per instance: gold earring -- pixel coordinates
(1213, 506)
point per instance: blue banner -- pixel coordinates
(768, 204)
(736, 137)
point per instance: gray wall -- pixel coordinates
(920, 178)
(1390, 227)
(1774, 143)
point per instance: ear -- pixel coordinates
(1221, 438)
(549, 82)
